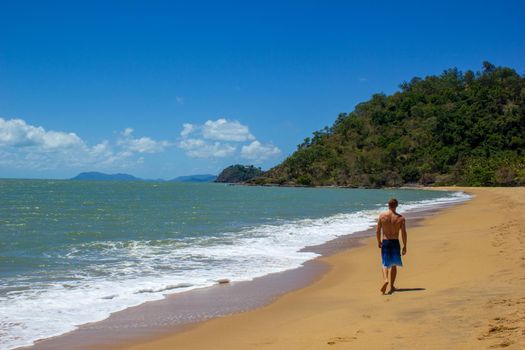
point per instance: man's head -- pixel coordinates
(392, 203)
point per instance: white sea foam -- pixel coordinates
(139, 271)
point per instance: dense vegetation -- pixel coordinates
(238, 173)
(456, 128)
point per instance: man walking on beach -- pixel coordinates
(388, 226)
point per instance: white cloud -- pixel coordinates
(199, 148)
(207, 140)
(32, 147)
(127, 132)
(215, 138)
(226, 130)
(219, 130)
(258, 152)
(101, 148)
(17, 133)
(141, 145)
(187, 129)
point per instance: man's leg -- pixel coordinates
(393, 274)
(385, 280)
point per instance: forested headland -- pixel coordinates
(458, 128)
(238, 173)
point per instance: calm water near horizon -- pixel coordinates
(72, 252)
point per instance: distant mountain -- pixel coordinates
(93, 175)
(238, 173)
(195, 178)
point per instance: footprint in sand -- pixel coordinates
(336, 340)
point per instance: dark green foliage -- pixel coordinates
(465, 129)
(239, 173)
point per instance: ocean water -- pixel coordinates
(72, 252)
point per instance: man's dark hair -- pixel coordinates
(392, 203)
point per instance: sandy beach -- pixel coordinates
(462, 287)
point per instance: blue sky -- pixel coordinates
(160, 89)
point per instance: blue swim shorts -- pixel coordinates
(391, 253)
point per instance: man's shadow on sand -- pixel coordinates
(406, 290)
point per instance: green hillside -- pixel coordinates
(238, 173)
(455, 128)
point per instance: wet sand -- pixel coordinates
(462, 287)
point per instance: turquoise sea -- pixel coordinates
(72, 252)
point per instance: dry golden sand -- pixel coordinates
(462, 287)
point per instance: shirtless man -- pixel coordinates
(390, 222)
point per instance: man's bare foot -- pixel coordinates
(383, 287)
(392, 290)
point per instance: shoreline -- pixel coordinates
(154, 319)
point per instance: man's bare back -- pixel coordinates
(391, 223)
